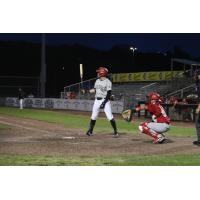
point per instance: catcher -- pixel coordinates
(160, 121)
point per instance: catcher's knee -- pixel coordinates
(140, 128)
(143, 126)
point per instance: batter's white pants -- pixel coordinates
(21, 103)
(96, 109)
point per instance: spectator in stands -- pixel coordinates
(68, 95)
(185, 111)
(173, 100)
(174, 111)
(192, 99)
(72, 95)
(197, 81)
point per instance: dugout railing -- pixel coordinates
(183, 92)
(77, 89)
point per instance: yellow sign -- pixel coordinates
(146, 76)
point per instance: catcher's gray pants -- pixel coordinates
(158, 127)
(198, 126)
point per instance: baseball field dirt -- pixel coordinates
(34, 137)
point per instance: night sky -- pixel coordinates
(154, 53)
(145, 42)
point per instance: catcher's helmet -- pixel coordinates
(154, 96)
(102, 71)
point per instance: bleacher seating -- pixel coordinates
(132, 93)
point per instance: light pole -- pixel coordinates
(43, 67)
(133, 49)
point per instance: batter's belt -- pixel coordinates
(99, 98)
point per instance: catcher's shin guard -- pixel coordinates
(146, 130)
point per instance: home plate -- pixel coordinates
(68, 138)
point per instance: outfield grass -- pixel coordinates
(153, 160)
(81, 121)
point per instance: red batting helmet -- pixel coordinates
(102, 71)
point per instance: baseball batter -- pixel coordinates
(160, 121)
(102, 89)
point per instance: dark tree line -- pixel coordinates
(24, 59)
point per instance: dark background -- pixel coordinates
(20, 55)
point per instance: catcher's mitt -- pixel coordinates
(127, 115)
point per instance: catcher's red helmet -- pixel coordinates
(154, 96)
(102, 71)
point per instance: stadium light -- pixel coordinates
(133, 49)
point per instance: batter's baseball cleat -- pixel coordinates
(115, 134)
(196, 143)
(159, 139)
(89, 133)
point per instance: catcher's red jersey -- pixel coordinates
(158, 113)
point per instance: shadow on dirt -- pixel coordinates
(165, 142)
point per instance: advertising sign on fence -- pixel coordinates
(145, 76)
(68, 104)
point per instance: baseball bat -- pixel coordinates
(81, 72)
(81, 76)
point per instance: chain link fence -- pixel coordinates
(9, 85)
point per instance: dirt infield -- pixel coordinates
(33, 137)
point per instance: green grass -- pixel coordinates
(81, 121)
(69, 120)
(3, 127)
(153, 160)
(182, 131)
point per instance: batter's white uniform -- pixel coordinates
(101, 87)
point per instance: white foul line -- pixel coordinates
(23, 127)
(34, 129)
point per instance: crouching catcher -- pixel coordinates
(160, 121)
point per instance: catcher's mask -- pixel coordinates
(102, 71)
(154, 96)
